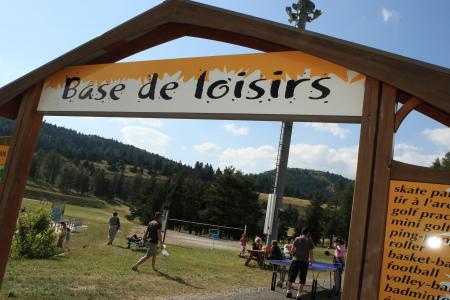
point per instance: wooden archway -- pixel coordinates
(391, 79)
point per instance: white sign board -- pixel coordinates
(278, 85)
(270, 211)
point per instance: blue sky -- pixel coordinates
(35, 32)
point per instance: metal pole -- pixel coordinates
(304, 10)
(280, 177)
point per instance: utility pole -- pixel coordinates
(301, 12)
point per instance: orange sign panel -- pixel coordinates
(3, 153)
(262, 85)
(416, 260)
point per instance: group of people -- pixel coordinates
(152, 236)
(301, 252)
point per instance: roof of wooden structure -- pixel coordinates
(177, 18)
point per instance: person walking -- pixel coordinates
(243, 242)
(153, 234)
(302, 258)
(114, 226)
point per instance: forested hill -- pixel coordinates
(302, 183)
(89, 170)
(76, 146)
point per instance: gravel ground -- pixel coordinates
(251, 294)
(178, 238)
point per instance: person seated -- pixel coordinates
(287, 251)
(275, 251)
(133, 239)
(257, 245)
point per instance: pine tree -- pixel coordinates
(314, 215)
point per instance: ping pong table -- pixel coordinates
(281, 266)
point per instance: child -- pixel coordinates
(65, 236)
(339, 257)
(339, 252)
(287, 251)
(243, 241)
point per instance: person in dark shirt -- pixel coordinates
(302, 258)
(275, 251)
(153, 235)
(114, 226)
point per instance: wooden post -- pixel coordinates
(361, 197)
(20, 155)
(380, 189)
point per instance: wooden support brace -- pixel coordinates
(20, 155)
(405, 110)
(376, 220)
(362, 192)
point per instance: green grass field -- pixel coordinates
(93, 270)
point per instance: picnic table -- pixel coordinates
(259, 256)
(281, 266)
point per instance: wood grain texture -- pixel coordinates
(379, 200)
(428, 82)
(362, 192)
(406, 108)
(427, 109)
(17, 165)
(5, 140)
(408, 172)
(10, 109)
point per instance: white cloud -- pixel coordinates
(249, 159)
(405, 147)
(321, 157)
(389, 14)
(148, 139)
(318, 157)
(332, 128)
(236, 130)
(207, 148)
(439, 136)
(412, 155)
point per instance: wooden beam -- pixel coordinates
(11, 108)
(5, 140)
(124, 48)
(362, 192)
(408, 172)
(17, 165)
(425, 81)
(406, 108)
(379, 200)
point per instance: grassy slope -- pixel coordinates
(93, 270)
(299, 204)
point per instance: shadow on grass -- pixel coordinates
(120, 246)
(178, 280)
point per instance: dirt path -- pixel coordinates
(178, 238)
(184, 239)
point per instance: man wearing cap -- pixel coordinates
(153, 234)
